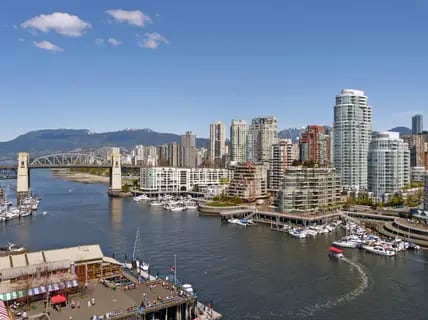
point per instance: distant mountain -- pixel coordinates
(403, 131)
(291, 133)
(61, 140)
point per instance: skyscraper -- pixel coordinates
(188, 143)
(315, 145)
(217, 141)
(238, 141)
(262, 134)
(352, 135)
(417, 124)
(426, 192)
(388, 165)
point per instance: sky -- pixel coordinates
(173, 66)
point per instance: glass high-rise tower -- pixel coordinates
(352, 135)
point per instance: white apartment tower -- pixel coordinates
(352, 135)
(217, 141)
(262, 134)
(388, 165)
(238, 141)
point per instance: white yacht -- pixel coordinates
(155, 203)
(237, 221)
(297, 233)
(380, 250)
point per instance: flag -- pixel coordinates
(172, 268)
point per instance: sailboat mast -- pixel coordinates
(175, 268)
(135, 243)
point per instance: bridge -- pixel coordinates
(21, 170)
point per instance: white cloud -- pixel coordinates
(136, 17)
(46, 45)
(99, 41)
(60, 22)
(114, 42)
(152, 40)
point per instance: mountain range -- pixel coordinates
(43, 142)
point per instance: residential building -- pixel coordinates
(417, 124)
(163, 155)
(417, 174)
(281, 158)
(170, 179)
(145, 155)
(188, 143)
(310, 189)
(419, 150)
(262, 134)
(238, 141)
(352, 133)
(315, 145)
(174, 155)
(217, 142)
(426, 192)
(249, 182)
(388, 165)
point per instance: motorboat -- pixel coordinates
(247, 221)
(345, 244)
(335, 252)
(191, 205)
(237, 221)
(155, 203)
(380, 250)
(15, 248)
(297, 233)
(188, 288)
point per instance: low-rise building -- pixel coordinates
(249, 182)
(309, 189)
(171, 179)
(35, 273)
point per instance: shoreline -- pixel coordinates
(82, 177)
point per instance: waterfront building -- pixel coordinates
(170, 179)
(315, 145)
(352, 133)
(426, 192)
(418, 144)
(309, 189)
(262, 134)
(417, 174)
(217, 142)
(238, 141)
(249, 182)
(417, 124)
(388, 165)
(65, 268)
(188, 143)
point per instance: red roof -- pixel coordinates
(59, 298)
(335, 250)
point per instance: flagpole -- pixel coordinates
(175, 269)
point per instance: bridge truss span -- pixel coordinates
(70, 160)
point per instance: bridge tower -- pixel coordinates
(22, 176)
(115, 172)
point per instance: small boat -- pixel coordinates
(237, 221)
(44, 213)
(297, 233)
(335, 253)
(155, 203)
(188, 288)
(345, 244)
(380, 250)
(15, 248)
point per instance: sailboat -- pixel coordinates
(142, 267)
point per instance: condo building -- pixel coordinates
(262, 134)
(217, 141)
(249, 182)
(352, 133)
(309, 189)
(388, 165)
(238, 141)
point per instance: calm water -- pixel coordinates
(252, 273)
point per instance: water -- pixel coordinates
(251, 273)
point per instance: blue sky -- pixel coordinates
(178, 65)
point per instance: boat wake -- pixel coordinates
(363, 285)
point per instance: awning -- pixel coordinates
(53, 287)
(12, 295)
(36, 291)
(3, 312)
(59, 298)
(71, 284)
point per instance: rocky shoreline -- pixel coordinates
(82, 177)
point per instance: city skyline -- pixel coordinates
(139, 58)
